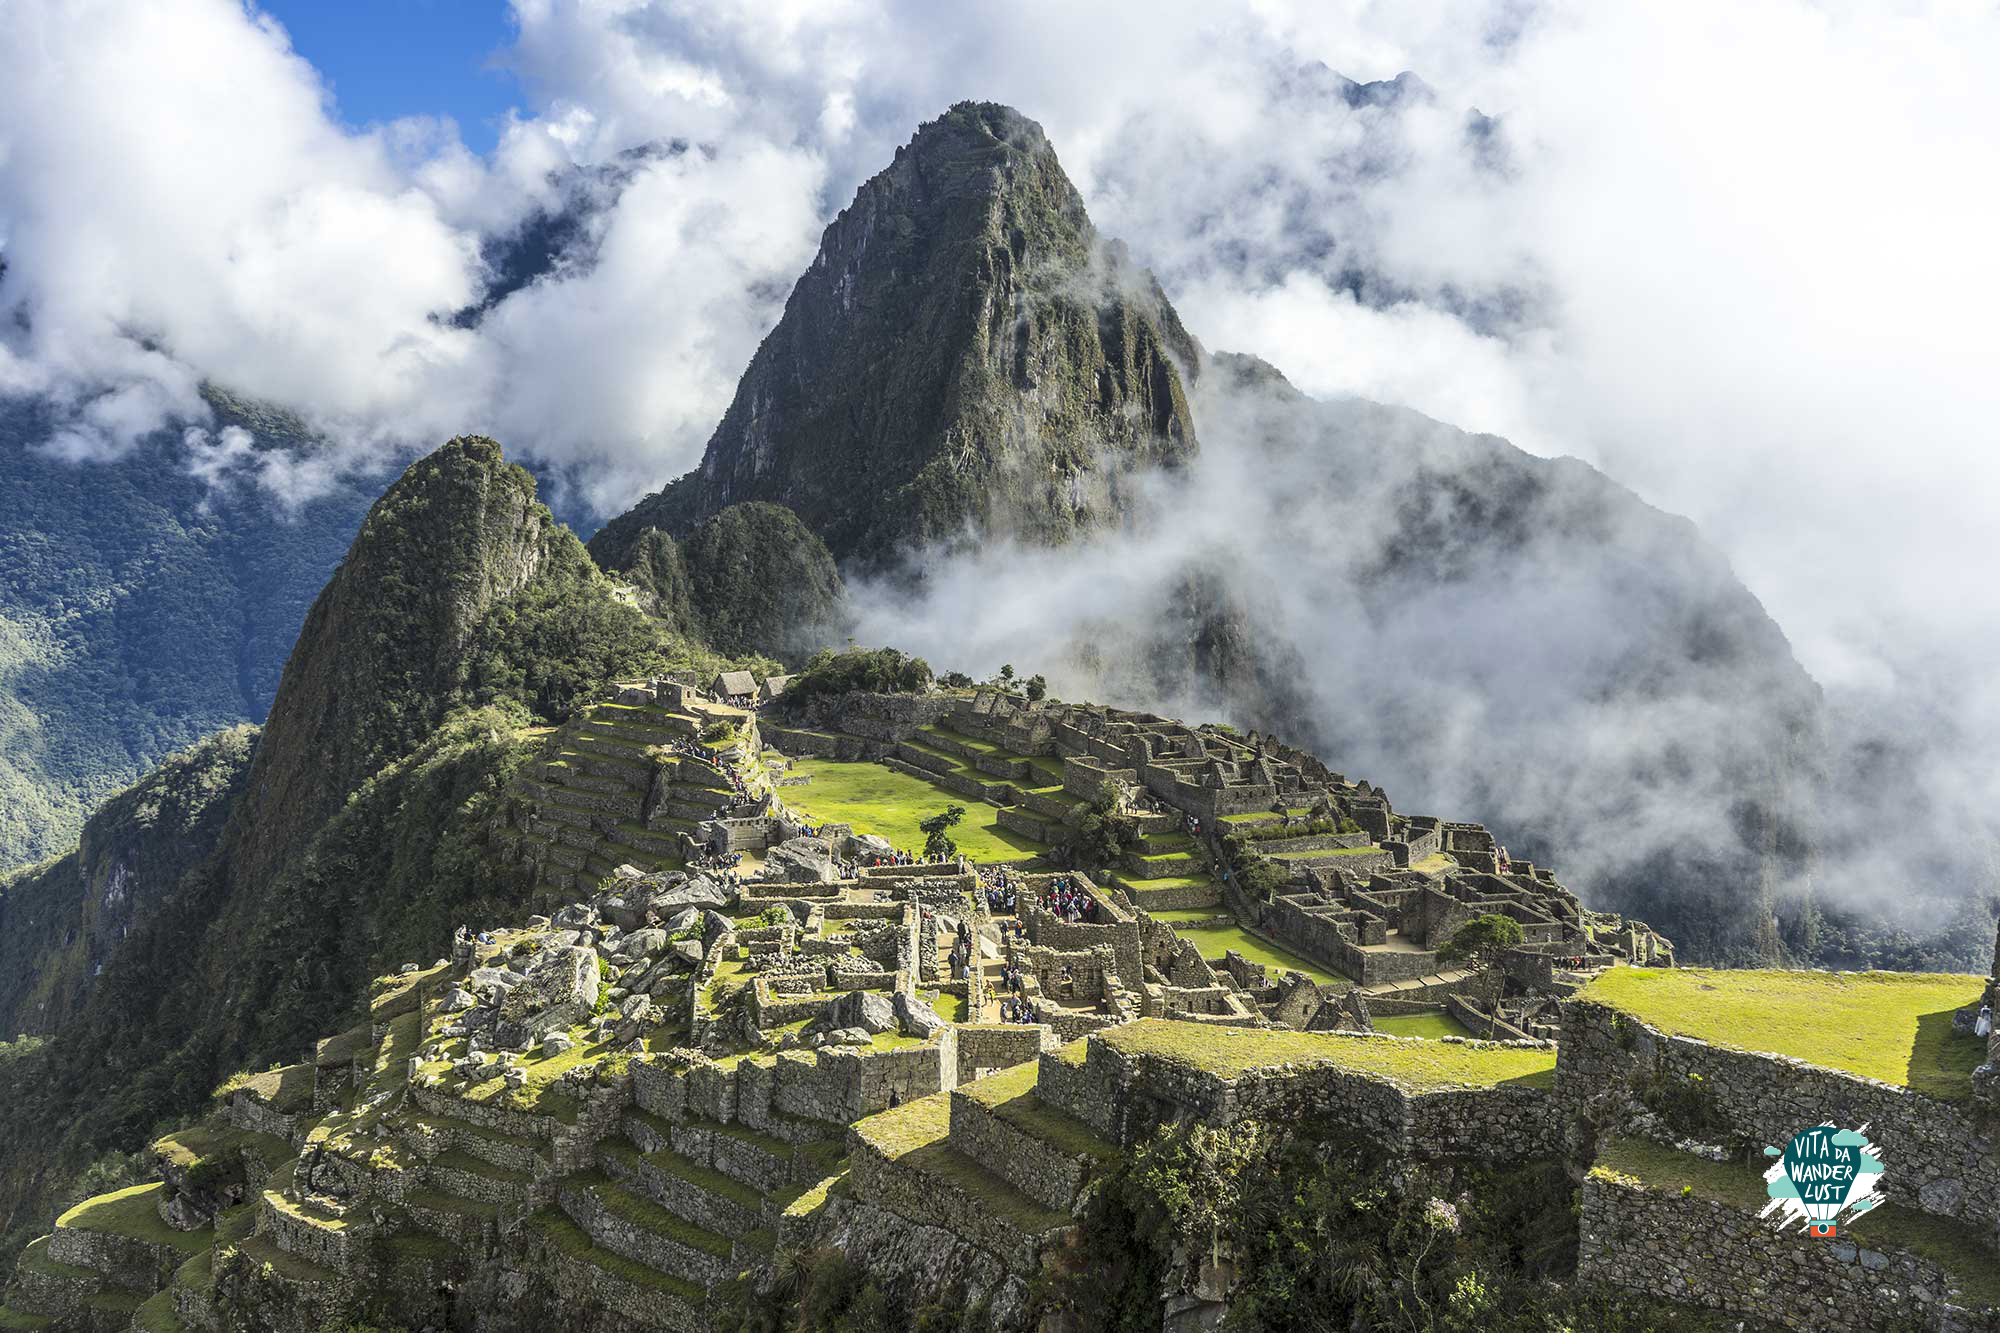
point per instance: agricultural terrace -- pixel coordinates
(1892, 1026)
(1415, 1066)
(879, 800)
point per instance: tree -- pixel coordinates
(1483, 942)
(938, 845)
(1006, 675)
(1037, 689)
(1098, 834)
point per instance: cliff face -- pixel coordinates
(63, 921)
(965, 356)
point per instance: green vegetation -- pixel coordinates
(1097, 835)
(644, 1213)
(1214, 941)
(63, 916)
(1481, 943)
(133, 1212)
(1325, 1236)
(141, 609)
(884, 671)
(862, 405)
(761, 582)
(902, 1130)
(1414, 1066)
(1421, 1025)
(879, 800)
(573, 1241)
(1891, 1026)
(938, 845)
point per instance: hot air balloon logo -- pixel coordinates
(1822, 1173)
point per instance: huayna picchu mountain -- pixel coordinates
(965, 356)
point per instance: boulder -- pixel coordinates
(861, 1009)
(694, 893)
(714, 925)
(459, 1001)
(847, 1037)
(918, 1019)
(867, 844)
(642, 944)
(799, 861)
(688, 952)
(635, 1006)
(575, 915)
(502, 977)
(560, 991)
(628, 871)
(685, 919)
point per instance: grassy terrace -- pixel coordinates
(1139, 888)
(1010, 1095)
(1414, 1066)
(571, 1240)
(906, 1128)
(879, 800)
(286, 1091)
(133, 1212)
(1892, 1026)
(1953, 1246)
(1262, 816)
(1214, 941)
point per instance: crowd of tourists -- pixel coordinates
(1067, 901)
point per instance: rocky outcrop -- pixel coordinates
(965, 355)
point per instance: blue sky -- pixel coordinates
(390, 58)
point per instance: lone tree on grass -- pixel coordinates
(1483, 942)
(938, 845)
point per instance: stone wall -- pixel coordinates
(1032, 1164)
(993, 1046)
(930, 1200)
(1940, 1154)
(1697, 1251)
(1127, 1097)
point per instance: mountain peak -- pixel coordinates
(965, 357)
(382, 647)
